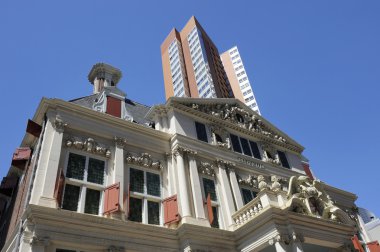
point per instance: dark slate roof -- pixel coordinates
(135, 109)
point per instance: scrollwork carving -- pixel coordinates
(206, 169)
(58, 124)
(88, 145)
(250, 181)
(144, 160)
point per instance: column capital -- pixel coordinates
(294, 237)
(58, 124)
(224, 164)
(206, 168)
(179, 150)
(37, 241)
(120, 142)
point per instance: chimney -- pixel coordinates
(103, 75)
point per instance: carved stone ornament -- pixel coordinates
(250, 181)
(182, 150)
(206, 169)
(262, 183)
(88, 145)
(239, 116)
(100, 103)
(309, 197)
(270, 154)
(120, 142)
(276, 186)
(144, 160)
(58, 124)
(43, 242)
(224, 164)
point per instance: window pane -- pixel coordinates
(153, 184)
(209, 188)
(71, 197)
(153, 213)
(136, 180)
(92, 201)
(235, 143)
(244, 144)
(247, 195)
(201, 131)
(215, 222)
(95, 171)
(75, 166)
(135, 209)
(283, 159)
(255, 150)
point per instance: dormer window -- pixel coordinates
(283, 159)
(245, 146)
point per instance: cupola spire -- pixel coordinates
(103, 75)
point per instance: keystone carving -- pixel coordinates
(88, 145)
(144, 160)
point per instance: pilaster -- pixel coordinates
(196, 188)
(47, 171)
(118, 172)
(235, 189)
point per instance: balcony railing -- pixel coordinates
(249, 211)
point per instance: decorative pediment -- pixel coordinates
(144, 160)
(88, 145)
(309, 197)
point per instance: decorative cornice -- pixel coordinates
(144, 160)
(88, 145)
(206, 169)
(120, 142)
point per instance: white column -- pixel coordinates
(196, 188)
(118, 173)
(47, 170)
(182, 182)
(297, 246)
(236, 189)
(226, 192)
(280, 246)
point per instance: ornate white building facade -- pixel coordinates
(104, 173)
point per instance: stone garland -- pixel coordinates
(144, 160)
(88, 145)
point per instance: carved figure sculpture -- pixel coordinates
(276, 186)
(309, 197)
(262, 184)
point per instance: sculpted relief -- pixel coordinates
(239, 116)
(88, 145)
(309, 197)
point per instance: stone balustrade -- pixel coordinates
(247, 212)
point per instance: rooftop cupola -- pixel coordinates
(103, 75)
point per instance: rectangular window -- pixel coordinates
(71, 197)
(248, 195)
(209, 188)
(201, 131)
(235, 143)
(255, 150)
(145, 196)
(215, 223)
(246, 149)
(81, 172)
(283, 159)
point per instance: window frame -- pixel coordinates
(214, 203)
(145, 196)
(196, 131)
(251, 191)
(84, 184)
(249, 146)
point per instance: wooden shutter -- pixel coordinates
(357, 245)
(33, 128)
(113, 106)
(209, 209)
(111, 199)
(171, 214)
(307, 170)
(59, 184)
(373, 246)
(21, 157)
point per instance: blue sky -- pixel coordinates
(314, 68)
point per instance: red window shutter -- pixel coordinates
(357, 245)
(58, 192)
(373, 246)
(306, 168)
(113, 106)
(21, 157)
(111, 198)
(209, 209)
(171, 214)
(33, 128)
